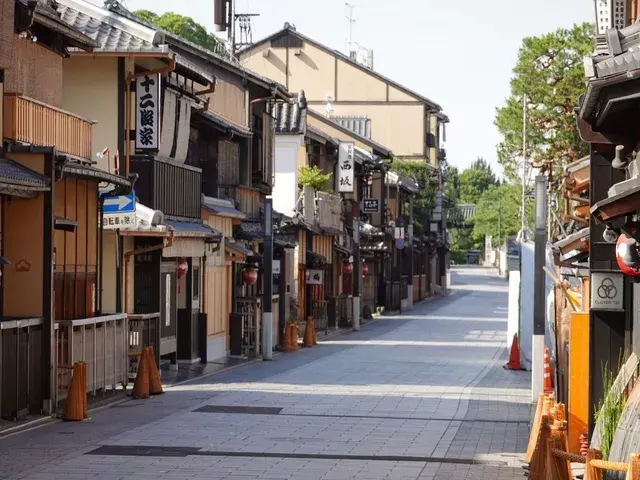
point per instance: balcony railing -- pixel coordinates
(30, 121)
(247, 199)
(21, 341)
(171, 187)
(328, 208)
(101, 342)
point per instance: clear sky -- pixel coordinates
(459, 53)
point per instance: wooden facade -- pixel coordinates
(30, 121)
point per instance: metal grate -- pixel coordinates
(238, 409)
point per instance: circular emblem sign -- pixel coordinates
(399, 243)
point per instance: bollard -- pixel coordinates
(307, 340)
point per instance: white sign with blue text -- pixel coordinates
(119, 211)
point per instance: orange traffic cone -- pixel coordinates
(155, 385)
(74, 406)
(307, 340)
(548, 380)
(514, 355)
(141, 384)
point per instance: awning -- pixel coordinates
(341, 249)
(20, 181)
(225, 125)
(315, 259)
(222, 207)
(238, 248)
(194, 230)
(71, 167)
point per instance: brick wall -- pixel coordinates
(35, 72)
(31, 69)
(6, 31)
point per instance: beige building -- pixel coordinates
(351, 93)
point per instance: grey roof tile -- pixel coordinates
(13, 173)
(291, 118)
(112, 32)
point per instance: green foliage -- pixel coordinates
(424, 203)
(609, 410)
(549, 71)
(498, 212)
(315, 178)
(475, 180)
(184, 27)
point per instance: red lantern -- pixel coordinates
(183, 267)
(348, 268)
(628, 256)
(181, 271)
(250, 276)
(365, 269)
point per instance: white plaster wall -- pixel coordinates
(285, 190)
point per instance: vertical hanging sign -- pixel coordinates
(147, 111)
(346, 167)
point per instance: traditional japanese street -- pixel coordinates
(420, 395)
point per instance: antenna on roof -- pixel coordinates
(352, 20)
(226, 19)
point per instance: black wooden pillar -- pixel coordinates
(607, 328)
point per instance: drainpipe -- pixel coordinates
(127, 87)
(127, 255)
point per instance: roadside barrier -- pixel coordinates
(548, 455)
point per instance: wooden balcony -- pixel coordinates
(30, 121)
(329, 209)
(171, 187)
(247, 199)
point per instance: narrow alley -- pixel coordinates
(422, 395)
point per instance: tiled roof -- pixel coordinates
(193, 229)
(291, 118)
(319, 133)
(16, 176)
(112, 32)
(359, 125)
(219, 206)
(227, 125)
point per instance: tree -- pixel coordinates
(424, 203)
(475, 180)
(315, 178)
(184, 27)
(498, 212)
(549, 74)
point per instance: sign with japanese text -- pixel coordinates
(371, 205)
(346, 167)
(147, 112)
(315, 277)
(275, 269)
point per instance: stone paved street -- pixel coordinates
(421, 395)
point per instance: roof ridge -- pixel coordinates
(288, 28)
(120, 22)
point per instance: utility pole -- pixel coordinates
(523, 225)
(267, 282)
(499, 222)
(539, 300)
